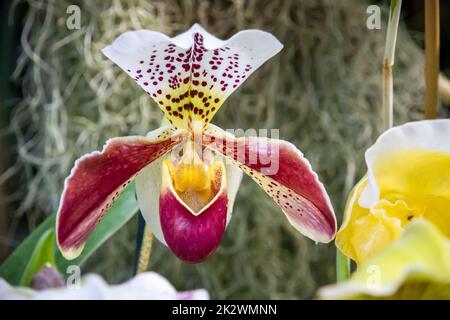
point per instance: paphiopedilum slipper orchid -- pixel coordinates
(408, 177)
(416, 266)
(185, 184)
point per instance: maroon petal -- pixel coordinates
(286, 176)
(191, 235)
(96, 181)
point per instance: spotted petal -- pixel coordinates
(191, 75)
(97, 180)
(286, 176)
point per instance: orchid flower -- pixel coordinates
(408, 177)
(185, 185)
(416, 266)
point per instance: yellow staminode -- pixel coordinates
(190, 176)
(194, 181)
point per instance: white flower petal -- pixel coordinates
(191, 75)
(234, 178)
(185, 40)
(148, 185)
(144, 286)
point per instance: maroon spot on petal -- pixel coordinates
(302, 190)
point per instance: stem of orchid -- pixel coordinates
(342, 261)
(146, 251)
(388, 63)
(342, 266)
(431, 57)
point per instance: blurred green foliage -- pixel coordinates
(40, 248)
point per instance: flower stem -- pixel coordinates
(342, 266)
(389, 54)
(431, 57)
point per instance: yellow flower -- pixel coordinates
(408, 177)
(417, 266)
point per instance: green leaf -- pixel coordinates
(42, 254)
(13, 269)
(120, 213)
(14, 266)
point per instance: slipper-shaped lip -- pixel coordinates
(192, 236)
(148, 187)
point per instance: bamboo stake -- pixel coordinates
(444, 89)
(146, 251)
(388, 63)
(431, 57)
(343, 266)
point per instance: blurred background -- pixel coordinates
(61, 98)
